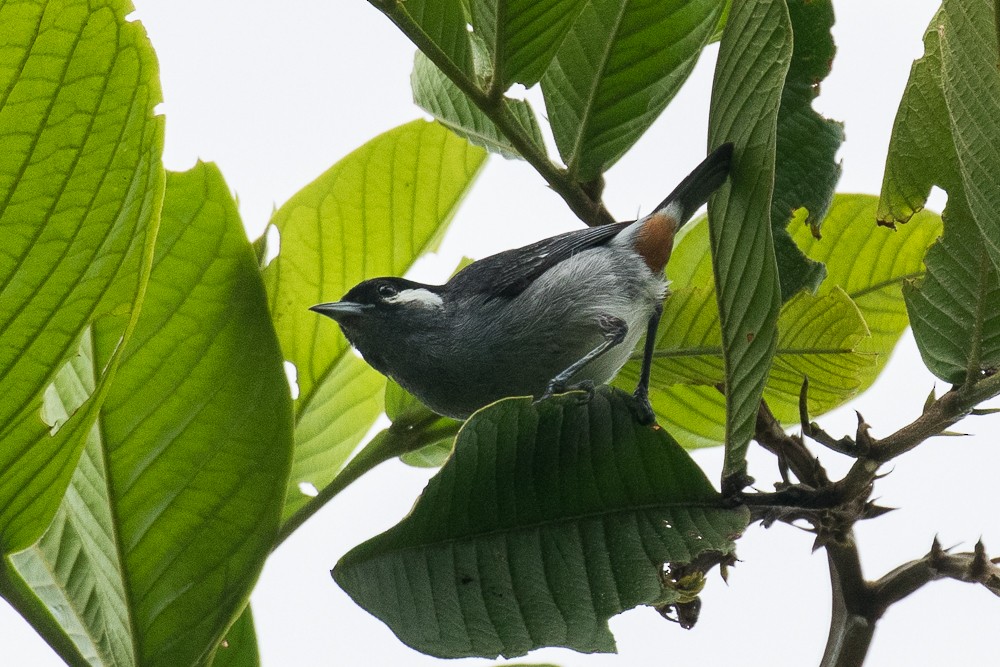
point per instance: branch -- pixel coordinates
(851, 625)
(973, 567)
(578, 196)
(939, 416)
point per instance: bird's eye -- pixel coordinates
(386, 291)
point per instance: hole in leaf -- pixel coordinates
(72, 386)
(307, 489)
(292, 373)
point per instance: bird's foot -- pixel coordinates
(643, 408)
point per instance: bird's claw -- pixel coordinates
(643, 408)
(558, 387)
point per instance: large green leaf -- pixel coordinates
(945, 134)
(945, 131)
(618, 67)
(871, 264)
(548, 519)
(970, 79)
(177, 499)
(440, 97)
(371, 214)
(754, 56)
(806, 171)
(954, 310)
(80, 190)
(522, 36)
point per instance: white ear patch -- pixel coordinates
(417, 296)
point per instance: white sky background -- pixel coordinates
(275, 93)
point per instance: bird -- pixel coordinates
(562, 313)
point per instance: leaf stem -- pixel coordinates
(387, 444)
(576, 195)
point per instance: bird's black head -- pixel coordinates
(380, 313)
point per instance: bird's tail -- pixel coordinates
(698, 186)
(653, 236)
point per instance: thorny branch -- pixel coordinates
(832, 508)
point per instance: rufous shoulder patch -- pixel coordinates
(655, 240)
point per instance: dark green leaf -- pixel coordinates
(440, 97)
(922, 152)
(806, 171)
(80, 190)
(443, 23)
(522, 35)
(754, 56)
(548, 519)
(970, 76)
(371, 214)
(176, 501)
(954, 310)
(617, 68)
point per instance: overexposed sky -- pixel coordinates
(275, 93)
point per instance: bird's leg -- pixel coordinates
(641, 394)
(614, 330)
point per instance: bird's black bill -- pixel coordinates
(341, 309)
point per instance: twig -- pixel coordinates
(939, 416)
(971, 567)
(582, 198)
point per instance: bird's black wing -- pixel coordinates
(509, 273)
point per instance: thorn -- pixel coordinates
(873, 511)
(953, 434)
(980, 412)
(936, 553)
(980, 566)
(863, 437)
(931, 397)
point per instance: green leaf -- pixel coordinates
(945, 131)
(239, 648)
(921, 152)
(548, 520)
(373, 213)
(871, 264)
(970, 76)
(954, 311)
(618, 67)
(522, 35)
(80, 190)
(176, 501)
(442, 23)
(754, 56)
(440, 97)
(819, 337)
(806, 171)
